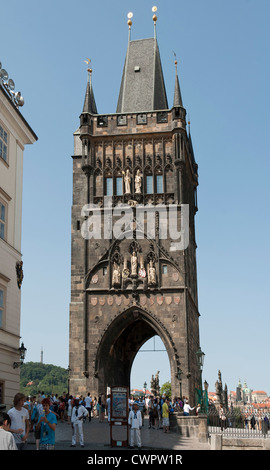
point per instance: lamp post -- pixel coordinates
(68, 371)
(200, 360)
(145, 388)
(22, 350)
(179, 377)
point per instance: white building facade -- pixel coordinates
(15, 133)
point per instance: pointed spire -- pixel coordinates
(89, 101)
(177, 101)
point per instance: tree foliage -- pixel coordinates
(46, 378)
(167, 389)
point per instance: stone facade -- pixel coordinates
(115, 306)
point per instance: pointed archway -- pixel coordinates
(121, 342)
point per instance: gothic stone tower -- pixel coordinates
(126, 289)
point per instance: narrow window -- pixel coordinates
(119, 185)
(164, 269)
(1, 306)
(109, 187)
(2, 220)
(149, 184)
(3, 143)
(159, 183)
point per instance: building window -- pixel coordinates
(119, 185)
(159, 183)
(149, 184)
(105, 271)
(164, 269)
(109, 187)
(3, 144)
(2, 306)
(3, 220)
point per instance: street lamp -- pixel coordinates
(179, 377)
(22, 350)
(200, 360)
(68, 371)
(145, 388)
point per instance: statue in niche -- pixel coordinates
(127, 181)
(125, 272)
(138, 182)
(142, 272)
(116, 277)
(134, 263)
(151, 273)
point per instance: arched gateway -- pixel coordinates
(133, 266)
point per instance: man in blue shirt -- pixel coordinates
(47, 425)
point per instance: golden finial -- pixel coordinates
(154, 9)
(89, 70)
(175, 59)
(129, 15)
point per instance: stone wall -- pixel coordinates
(190, 426)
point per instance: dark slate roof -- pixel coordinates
(142, 87)
(89, 101)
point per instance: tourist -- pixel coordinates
(187, 409)
(166, 415)
(108, 406)
(19, 421)
(69, 410)
(135, 424)
(95, 407)
(156, 409)
(47, 426)
(7, 441)
(79, 412)
(141, 405)
(88, 405)
(102, 408)
(222, 418)
(62, 407)
(150, 411)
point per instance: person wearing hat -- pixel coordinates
(135, 424)
(78, 413)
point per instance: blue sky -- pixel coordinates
(223, 63)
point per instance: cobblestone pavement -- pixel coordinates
(97, 437)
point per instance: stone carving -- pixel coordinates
(127, 181)
(134, 264)
(138, 182)
(19, 272)
(125, 271)
(116, 277)
(154, 386)
(142, 272)
(151, 274)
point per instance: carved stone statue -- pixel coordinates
(116, 277)
(154, 384)
(142, 272)
(134, 264)
(151, 273)
(127, 181)
(138, 182)
(19, 272)
(125, 271)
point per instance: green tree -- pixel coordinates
(167, 389)
(46, 378)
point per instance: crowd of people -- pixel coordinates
(40, 415)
